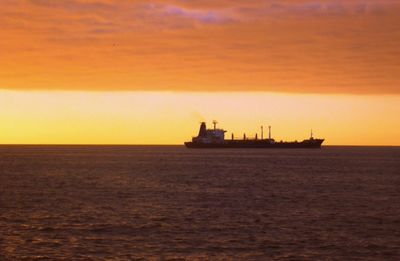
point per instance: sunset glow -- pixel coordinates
(146, 72)
(173, 117)
(291, 46)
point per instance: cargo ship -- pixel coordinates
(215, 138)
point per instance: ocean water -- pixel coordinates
(172, 203)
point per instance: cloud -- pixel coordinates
(291, 46)
(73, 5)
(198, 15)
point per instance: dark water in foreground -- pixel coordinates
(124, 203)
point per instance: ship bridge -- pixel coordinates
(210, 135)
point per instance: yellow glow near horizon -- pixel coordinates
(172, 117)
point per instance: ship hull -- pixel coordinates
(306, 144)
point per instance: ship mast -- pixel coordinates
(215, 124)
(262, 132)
(269, 132)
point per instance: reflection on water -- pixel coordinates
(133, 202)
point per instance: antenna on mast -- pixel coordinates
(215, 124)
(312, 134)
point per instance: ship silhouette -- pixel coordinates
(215, 138)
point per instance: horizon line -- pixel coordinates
(153, 145)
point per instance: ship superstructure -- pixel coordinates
(215, 138)
(210, 136)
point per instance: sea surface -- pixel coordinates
(173, 203)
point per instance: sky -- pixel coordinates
(108, 71)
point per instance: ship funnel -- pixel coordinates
(203, 130)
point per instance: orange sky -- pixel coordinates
(331, 46)
(108, 71)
